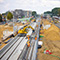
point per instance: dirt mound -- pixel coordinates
(53, 27)
(52, 35)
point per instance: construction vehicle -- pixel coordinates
(24, 30)
(52, 21)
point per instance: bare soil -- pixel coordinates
(51, 41)
(53, 46)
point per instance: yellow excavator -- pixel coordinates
(24, 31)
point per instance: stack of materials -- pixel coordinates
(2, 28)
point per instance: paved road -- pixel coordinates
(58, 25)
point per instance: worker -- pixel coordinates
(40, 43)
(28, 38)
(33, 30)
(37, 25)
(35, 38)
(40, 25)
(28, 44)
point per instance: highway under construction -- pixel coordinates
(37, 40)
(22, 47)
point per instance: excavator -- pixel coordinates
(23, 31)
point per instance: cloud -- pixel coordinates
(39, 5)
(7, 6)
(1, 1)
(36, 5)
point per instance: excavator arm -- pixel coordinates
(24, 29)
(30, 27)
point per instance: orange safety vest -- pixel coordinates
(28, 45)
(35, 38)
(28, 38)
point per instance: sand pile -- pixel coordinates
(53, 27)
(53, 33)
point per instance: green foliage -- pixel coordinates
(48, 12)
(30, 18)
(59, 12)
(3, 13)
(0, 18)
(34, 13)
(56, 11)
(4, 16)
(9, 16)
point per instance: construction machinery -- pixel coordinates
(23, 31)
(52, 21)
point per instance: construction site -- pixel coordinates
(51, 41)
(33, 40)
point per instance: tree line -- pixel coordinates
(9, 15)
(3, 16)
(53, 12)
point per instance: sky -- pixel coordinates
(40, 6)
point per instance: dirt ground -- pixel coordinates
(53, 46)
(9, 28)
(4, 27)
(51, 41)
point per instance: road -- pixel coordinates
(58, 25)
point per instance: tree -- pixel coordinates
(34, 13)
(47, 12)
(3, 13)
(55, 11)
(4, 16)
(9, 16)
(59, 12)
(0, 18)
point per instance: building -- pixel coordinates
(27, 13)
(18, 13)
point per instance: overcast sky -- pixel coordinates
(39, 6)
